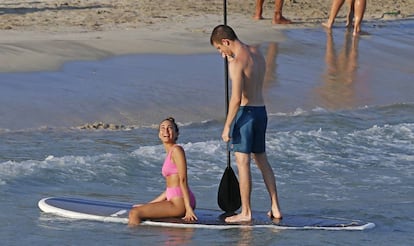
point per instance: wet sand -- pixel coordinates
(42, 35)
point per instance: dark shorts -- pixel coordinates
(249, 129)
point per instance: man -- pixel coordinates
(277, 16)
(246, 120)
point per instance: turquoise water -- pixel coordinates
(340, 139)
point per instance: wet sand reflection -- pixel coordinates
(338, 89)
(271, 65)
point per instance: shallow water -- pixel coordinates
(340, 139)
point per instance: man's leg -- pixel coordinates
(245, 183)
(270, 182)
(259, 10)
(278, 17)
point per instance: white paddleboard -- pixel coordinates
(111, 211)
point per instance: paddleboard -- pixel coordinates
(112, 211)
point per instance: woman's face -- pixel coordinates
(167, 132)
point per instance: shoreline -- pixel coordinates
(48, 80)
(29, 51)
(42, 36)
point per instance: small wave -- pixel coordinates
(62, 168)
(388, 107)
(208, 151)
(297, 112)
(203, 158)
(387, 146)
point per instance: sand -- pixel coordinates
(42, 35)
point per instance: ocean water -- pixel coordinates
(340, 140)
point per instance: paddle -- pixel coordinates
(228, 197)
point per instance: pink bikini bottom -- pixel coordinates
(172, 192)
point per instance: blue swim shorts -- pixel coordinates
(249, 129)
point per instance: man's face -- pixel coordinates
(223, 48)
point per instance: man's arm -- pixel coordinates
(236, 76)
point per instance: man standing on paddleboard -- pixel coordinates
(246, 121)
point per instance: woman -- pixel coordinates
(177, 200)
(356, 11)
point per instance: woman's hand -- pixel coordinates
(190, 216)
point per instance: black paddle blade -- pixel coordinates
(228, 197)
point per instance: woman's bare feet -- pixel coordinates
(349, 19)
(327, 25)
(357, 30)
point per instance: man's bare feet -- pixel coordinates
(279, 19)
(275, 215)
(238, 218)
(257, 17)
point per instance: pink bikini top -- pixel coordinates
(169, 167)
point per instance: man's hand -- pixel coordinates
(226, 134)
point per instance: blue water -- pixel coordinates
(340, 140)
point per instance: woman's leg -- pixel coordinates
(173, 208)
(350, 15)
(359, 7)
(336, 6)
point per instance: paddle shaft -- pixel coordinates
(226, 79)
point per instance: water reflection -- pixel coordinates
(176, 236)
(338, 89)
(271, 65)
(245, 236)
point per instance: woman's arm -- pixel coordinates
(180, 161)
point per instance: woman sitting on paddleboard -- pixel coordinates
(177, 200)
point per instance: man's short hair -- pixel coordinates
(222, 32)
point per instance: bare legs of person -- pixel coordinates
(359, 6)
(173, 208)
(259, 10)
(350, 15)
(356, 12)
(336, 6)
(277, 17)
(245, 183)
(270, 182)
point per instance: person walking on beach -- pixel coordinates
(246, 121)
(277, 16)
(356, 11)
(177, 200)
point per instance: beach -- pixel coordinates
(84, 85)
(42, 35)
(46, 36)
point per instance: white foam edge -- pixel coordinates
(366, 226)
